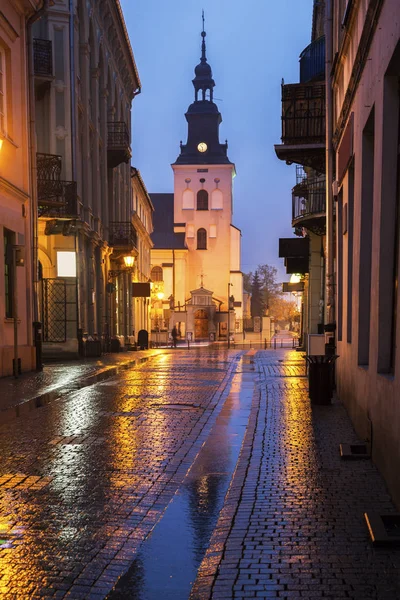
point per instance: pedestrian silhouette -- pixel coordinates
(174, 334)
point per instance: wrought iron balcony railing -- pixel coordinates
(122, 235)
(48, 166)
(312, 61)
(308, 202)
(118, 144)
(56, 198)
(303, 113)
(43, 58)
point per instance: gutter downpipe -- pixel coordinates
(73, 155)
(330, 262)
(33, 182)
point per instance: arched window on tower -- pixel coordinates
(201, 239)
(202, 200)
(156, 274)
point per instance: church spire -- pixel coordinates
(203, 118)
(203, 81)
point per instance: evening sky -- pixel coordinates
(251, 46)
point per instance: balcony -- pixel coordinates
(303, 125)
(308, 203)
(312, 61)
(118, 144)
(123, 236)
(43, 58)
(56, 198)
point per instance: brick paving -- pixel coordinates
(17, 395)
(292, 525)
(85, 479)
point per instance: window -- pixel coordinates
(350, 220)
(3, 97)
(367, 198)
(202, 200)
(8, 272)
(201, 239)
(156, 274)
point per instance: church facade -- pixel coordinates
(196, 270)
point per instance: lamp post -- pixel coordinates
(129, 262)
(229, 315)
(160, 296)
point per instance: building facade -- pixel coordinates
(196, 245)
(303, 143)
(85, 82)
(17, 308)
(365, 107)
(142, 220)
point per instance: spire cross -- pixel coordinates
(203, 43)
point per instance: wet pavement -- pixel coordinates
(85, 479)
(192, 460)
(292, 525)
(167, 570)
(29, 391)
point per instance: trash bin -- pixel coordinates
(115, 345)
(143, 339)
(320, 377)
(92, 348)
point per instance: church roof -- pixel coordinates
(163, 235)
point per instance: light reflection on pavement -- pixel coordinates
(84, 480)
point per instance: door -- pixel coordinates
(201, 324)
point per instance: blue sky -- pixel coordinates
(250, 49)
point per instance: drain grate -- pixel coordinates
(354, 451)
(384, 530)
(177, 406)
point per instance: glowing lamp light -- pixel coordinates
(295, 278)
(1, 143)
(129, 261)
(160, 295)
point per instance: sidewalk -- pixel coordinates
(31, 390)
(293, 523)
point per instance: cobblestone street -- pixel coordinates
(86, 479)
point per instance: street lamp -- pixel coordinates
(129, 261)
(229, 316)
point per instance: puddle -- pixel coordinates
(167, 563)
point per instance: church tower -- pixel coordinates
(203, 204)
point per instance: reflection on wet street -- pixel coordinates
(167, 563)
(85, 479)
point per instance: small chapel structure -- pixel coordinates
(197, 282)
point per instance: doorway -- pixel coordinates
(201, 324)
